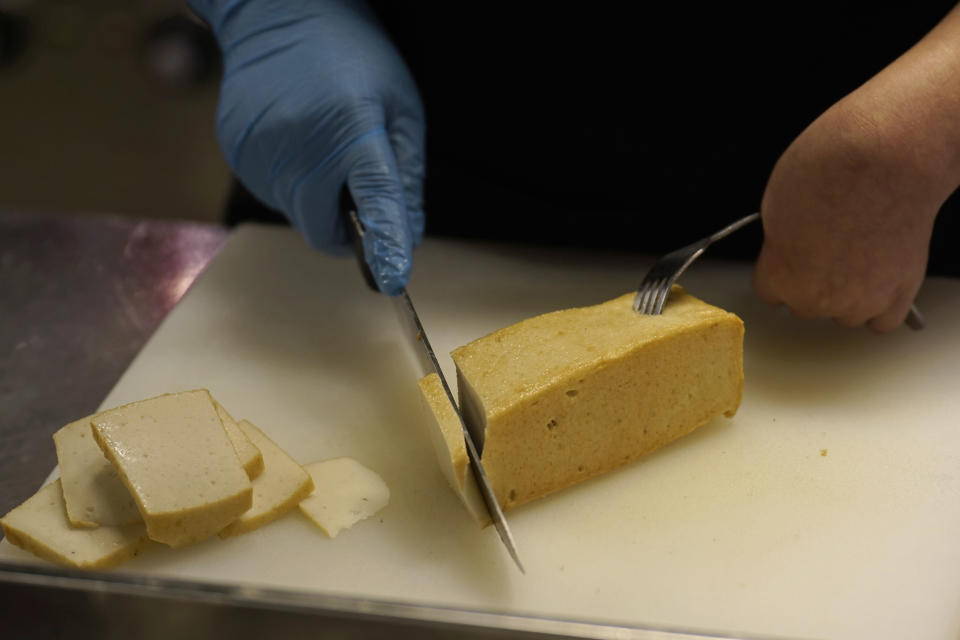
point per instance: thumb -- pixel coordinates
(374, 183)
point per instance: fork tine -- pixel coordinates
(644, 294)
(642, 297)
(651, 297)
(642, 300)
(655, 307)
(662, 295)
(654, 291)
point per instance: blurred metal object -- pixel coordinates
(915, 320)
(180, 53)
(47, 602)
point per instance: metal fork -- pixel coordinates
(653, 291)
(655, 288)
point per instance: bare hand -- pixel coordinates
(849, 208)
(846, 226)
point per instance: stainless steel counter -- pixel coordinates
(79, 297)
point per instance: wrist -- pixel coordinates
(913, 109)
(911, 141)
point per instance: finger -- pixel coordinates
(407, 138)
(894, 316)
(375, 185)
(861, 311)
(776, 285)
(850, 322)
(853, 320)
(763, 284)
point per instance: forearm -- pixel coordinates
(914, 104)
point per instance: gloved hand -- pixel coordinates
(315, 96)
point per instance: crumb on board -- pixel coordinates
(823, 452)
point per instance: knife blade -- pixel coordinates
(428, 360)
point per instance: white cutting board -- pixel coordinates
(828, 508)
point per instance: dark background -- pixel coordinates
(606, 124)
(628, 125)
(632, 125)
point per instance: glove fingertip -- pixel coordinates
(390, 280)
(393, 286)
(390, 263)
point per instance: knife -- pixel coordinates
(428, 362)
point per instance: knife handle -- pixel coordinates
(348, 211)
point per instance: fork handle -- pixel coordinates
(733, 226)
(915, 320)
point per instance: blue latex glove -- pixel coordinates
(315, 96)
